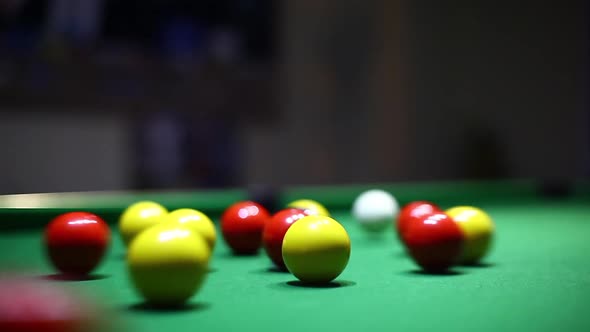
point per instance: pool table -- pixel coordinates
(536, 278)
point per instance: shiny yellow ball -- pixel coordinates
(313, 207)
(316, 249)
(168, 265)
(478, 229)
(138, 217)
(197, 221)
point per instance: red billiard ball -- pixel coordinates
(435, 242)
(76, 242)
(274, 232)
(27, 306)
(411, 211)
(242, 225)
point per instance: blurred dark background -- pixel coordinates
(129, 94)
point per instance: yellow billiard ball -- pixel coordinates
(316, 249)
(138, 217)
(478, 229)
(313, 207)
(168, 264)
(196, 220)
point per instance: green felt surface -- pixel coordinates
(537, 278)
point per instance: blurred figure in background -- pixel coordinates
(78, 23)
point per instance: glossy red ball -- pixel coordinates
(242, 225)
(434, 241)
(274, 232)
(412, 211)
(76, 242)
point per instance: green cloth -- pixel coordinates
(537, 278)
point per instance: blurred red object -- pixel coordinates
(32, 305)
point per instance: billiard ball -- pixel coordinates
(411, 211)
(478, 229)
(265, 195)
(28, 305)
(168, 265)
(274, 233)
(311, 206)
(375, 210)
(434, 241)
(316, 249)
(242, 225)
(76, 242)
(195, 219)
(138, 217)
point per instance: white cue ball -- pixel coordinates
(375, 210)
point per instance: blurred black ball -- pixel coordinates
(266, 195)
(555, 188)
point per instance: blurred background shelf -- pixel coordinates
(202, 87)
